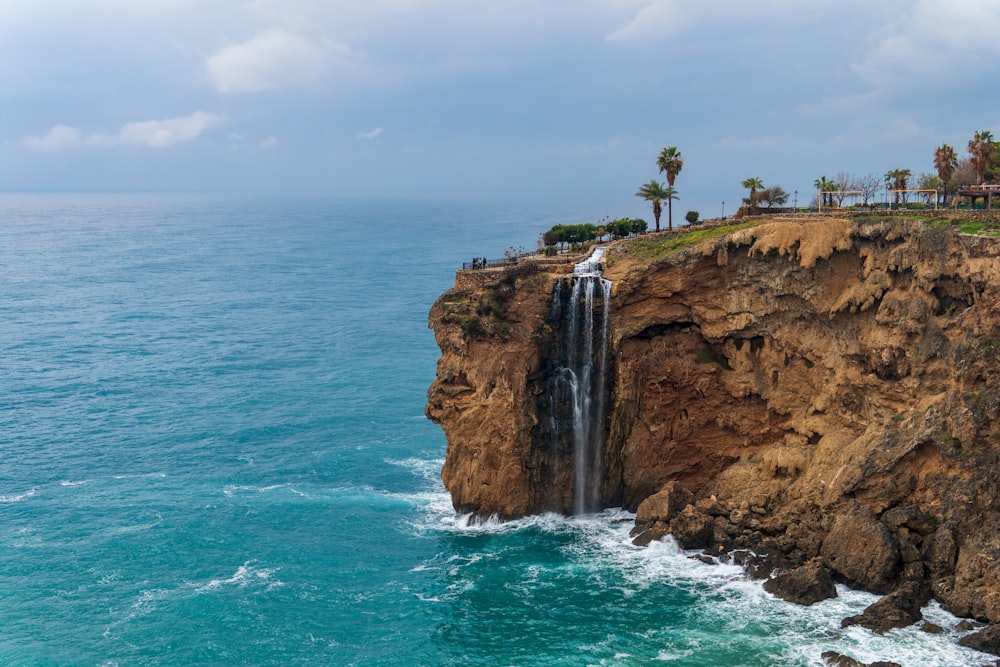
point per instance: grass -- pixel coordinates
(652, 248)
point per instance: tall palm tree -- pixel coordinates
(670, 162)
(655, 193)
(945, 161)
(753, 184)
(980, 150)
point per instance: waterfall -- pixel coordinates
(581, 306)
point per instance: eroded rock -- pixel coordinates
(861, 549)
(896, 610)
(805, 585)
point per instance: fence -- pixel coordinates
(483, 263)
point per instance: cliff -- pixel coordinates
(824, 391)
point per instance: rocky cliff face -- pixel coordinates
(822, 389)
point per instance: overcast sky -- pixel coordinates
(468, 98)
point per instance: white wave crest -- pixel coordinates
(17, 497)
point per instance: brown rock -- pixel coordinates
(649, 532)
(664, 505)
(692, 529)
(931, 628)
(912, 517)
(804, 585)
(834, 659)
(896, 610)
(987, 641)
(860, 548)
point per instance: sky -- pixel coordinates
(554, 99)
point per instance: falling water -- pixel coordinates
(581, 379)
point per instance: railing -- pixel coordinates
(483, 263)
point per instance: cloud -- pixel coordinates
(164, 133)
(274, 59)
(267, 143)
(930, 47)
(657, 19)
(149, 133)
(371, 135)
(59, 137)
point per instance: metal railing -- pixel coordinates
(484, 263)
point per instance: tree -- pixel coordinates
(843, 183)
(773, 196)
(752, 184)
(825, 187)
(656, 194)
(929, 182)
(692, 217)
(896, 180)
(869, 185)
(670, 162)
(981, 150)
(945, 161)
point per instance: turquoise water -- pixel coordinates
(214, 453)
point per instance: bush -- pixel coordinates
(691, 217)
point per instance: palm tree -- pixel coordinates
(753, 184)
(980, 149)
(896, 179)
(945, 161)
(825, 187)
(670, 162)
(655, 193)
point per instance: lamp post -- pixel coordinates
(796, 205)
(723, 209)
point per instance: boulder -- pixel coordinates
(896, 610)
(692, 529)
(861, 549)
(649, 532)
(834, 659)
(663, 505)
(804, 585)
(987, 641)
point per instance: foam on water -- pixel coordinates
(18, 497)
(737, 608)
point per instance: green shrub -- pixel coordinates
(691, 217)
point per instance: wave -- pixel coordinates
(244, 576)
(71, 483)
(247, 576)
(231, 489)
(18, 497)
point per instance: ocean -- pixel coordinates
(213, 452)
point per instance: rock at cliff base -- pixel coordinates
(692, 529)
(664, 505)
(805, 585)
(987, 641)
(649, 532)
(834, 659)
(861, 549)
(896, 610)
